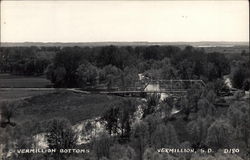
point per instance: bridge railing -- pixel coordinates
(164, 85)
(176, 84)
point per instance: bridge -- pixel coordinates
(170, 87)
(175, 84)
(176, 88)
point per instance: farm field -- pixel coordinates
(64, 104)
(36, 102)
(226, 50)
(15, 81)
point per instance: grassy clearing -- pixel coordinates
(20, 94)
(73, 106)
(15, 81)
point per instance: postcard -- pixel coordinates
(124, 80)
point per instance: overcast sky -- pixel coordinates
(154, 21)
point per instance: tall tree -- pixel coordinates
(238, 78)
(101, 145)
(165, 136)
(88, 74)
(220, 134)
(119, 118)
(152, 120)
(140, 137)
(197, 130)
(60, 135)
(205, 107)
(69, 59)
(122, 152)
(239, 115)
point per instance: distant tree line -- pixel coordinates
(25, 60)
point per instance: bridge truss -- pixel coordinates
(170, 87)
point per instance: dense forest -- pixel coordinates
(135, 128)
(120, 66)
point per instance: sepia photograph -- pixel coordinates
(124, 80)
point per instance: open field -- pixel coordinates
(64, 104)
(226, 50)
(15, 81)
(15, 94)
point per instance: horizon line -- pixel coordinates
(124, 42)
